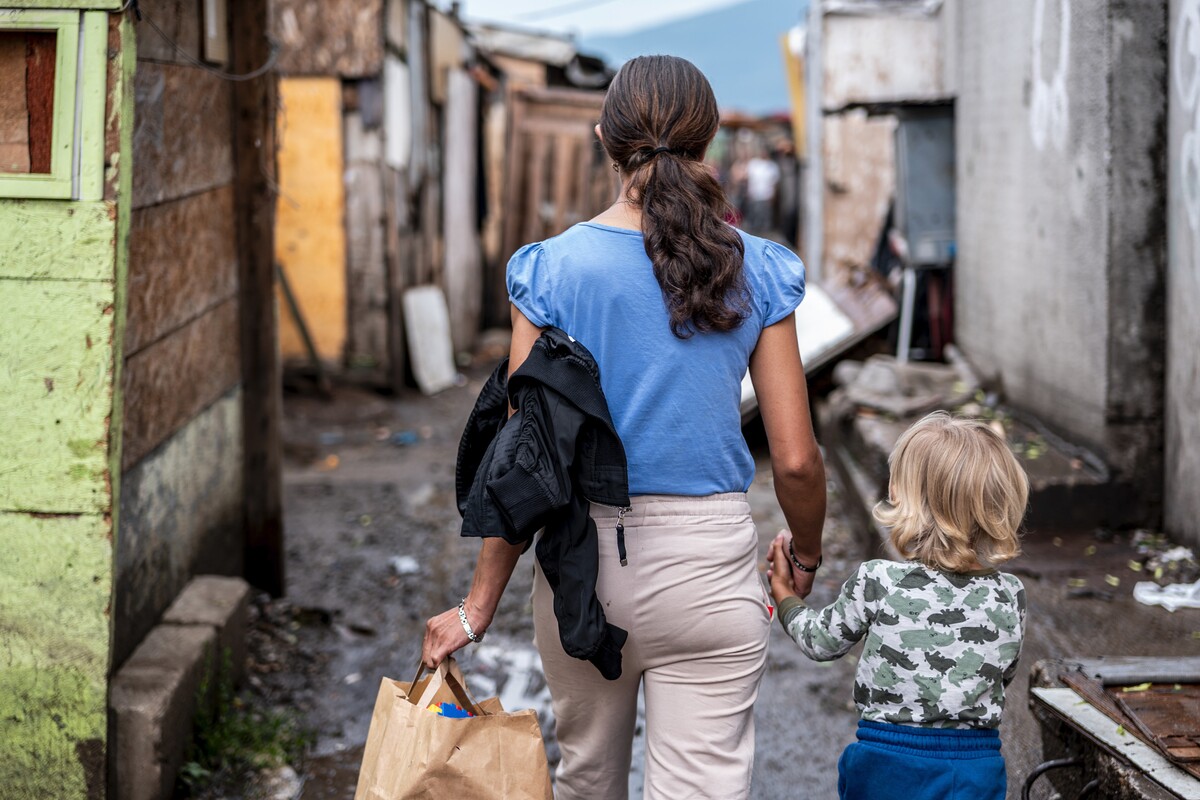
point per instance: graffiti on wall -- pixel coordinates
(1048, 109)
(1185, 74)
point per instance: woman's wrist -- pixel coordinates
(479, 616)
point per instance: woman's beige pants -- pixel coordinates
(696, 613)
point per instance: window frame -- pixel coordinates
(77, 136)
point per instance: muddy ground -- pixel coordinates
(373, 550)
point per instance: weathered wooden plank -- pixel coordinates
(366, 264)
(106, 4)
(463, 266)
(55, 584)
(168, 383)
(60, 241)
(256, 103)
(182, 263)
(400, 243)
(179, 20)
(93, 53)
(310, 231)
(14, 107)
(181, 136)
(397, 24)
(566, 156)
(535, 188)
(181, 515)
(398, 113)
(343, 39)
(447, 43)
(56, 338)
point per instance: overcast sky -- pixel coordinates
(589, 17)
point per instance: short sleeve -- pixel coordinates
(779, 284)
(528, 279)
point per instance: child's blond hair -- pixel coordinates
(956, 495)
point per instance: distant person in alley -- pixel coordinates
(762, 179)
(943, 628)
(674, 304)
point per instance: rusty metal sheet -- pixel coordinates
(1168, 715)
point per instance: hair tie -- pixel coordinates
(658, 150)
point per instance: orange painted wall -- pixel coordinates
(310, 233)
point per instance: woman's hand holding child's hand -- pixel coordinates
(785, 580)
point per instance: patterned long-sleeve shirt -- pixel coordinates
(940, 646)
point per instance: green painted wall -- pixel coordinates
(61, 311)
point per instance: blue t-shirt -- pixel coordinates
(675, 402)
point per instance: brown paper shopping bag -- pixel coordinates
(414, 754)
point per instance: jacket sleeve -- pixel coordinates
(531, 478)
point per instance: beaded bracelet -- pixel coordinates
(801, 567)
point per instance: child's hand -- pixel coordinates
(779, 569)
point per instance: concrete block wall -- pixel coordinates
(1182, 501)
(1060, 153)
(154, 697)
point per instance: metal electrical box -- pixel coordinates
(925, 184)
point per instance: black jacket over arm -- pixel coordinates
(540, 469)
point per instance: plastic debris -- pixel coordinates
(405, 438)
(404, 565)
(1171, 597)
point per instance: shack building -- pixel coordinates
(138, 343)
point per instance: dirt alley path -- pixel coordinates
(373, 550)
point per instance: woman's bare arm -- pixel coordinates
(444, 634)
(799, 473)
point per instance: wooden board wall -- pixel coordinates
(310, 224)
(557, 173)
(323, 38)
(366, 254)
(182, 355)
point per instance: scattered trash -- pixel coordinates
(329, 463)
(280, 783)
(1166, 562)
(1087, 592)
(352, 678)
(404, 565)
(1141, 687)
(383, 434)
(404, 438)
(328, 438)
(1090, 550)
(365, 520)
(1112, 580)
(422, 496)
(1171, 597)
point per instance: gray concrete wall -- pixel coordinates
(1183, 279)
(1060, 151)
(181, 515)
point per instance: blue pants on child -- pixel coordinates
(905, 762)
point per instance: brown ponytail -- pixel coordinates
(658, 119)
